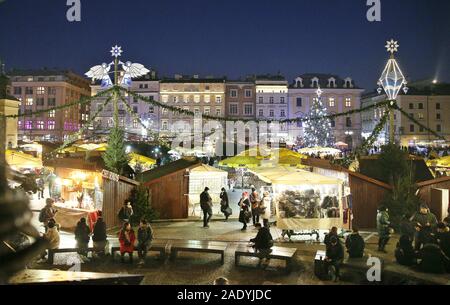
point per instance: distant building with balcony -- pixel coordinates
(146, 86)
(339, 95)
(428, 103)
(42, 89)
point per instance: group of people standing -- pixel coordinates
(252, 207)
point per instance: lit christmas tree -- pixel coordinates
(318, 132)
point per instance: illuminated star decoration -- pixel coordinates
(392, 46)
(319, 92)
(116, 51)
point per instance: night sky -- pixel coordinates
(232, 37)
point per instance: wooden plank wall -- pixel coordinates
(167, 195)
(366, 198)
(426, 187)
(114, 195)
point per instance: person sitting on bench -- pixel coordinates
(127, 239)
(52, 237)
(355, 244)
(335, 256)
(263, 242)
(404, 252)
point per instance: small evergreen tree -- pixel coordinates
(142, 208)
(318, 132)
(115, 156)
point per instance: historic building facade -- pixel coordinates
(339, 95)
(240, 100)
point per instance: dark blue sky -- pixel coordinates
(232, 37)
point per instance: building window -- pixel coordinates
(207, 98)
(51, 101)
(271, 113)
(40, 90)
(348, 122)
(51, 125)
(151, 109)
(135, 109)
(411, 106)
(420, 105)
(165, 111)
(438, 106)
(196, 111)
(233, 109)
(28, 125)
(40, 101)
(165, 98)
(233, 93)
(438, 116)
(438, 128)
(28, 90)
(175, 99)
(206, 111)
(135, 123)
(282, 100)
(271, 100)
(40, 125)
(261, 112)
(248, 109)
(421, 129)
(29, 101)
(248, 93)
(299, 124)
(165, 125)
(218, 99)
(282, 113)
(197, 98)
(51, 113)
(261, 100)
(348, 102)
(19, 125)
(332, 102)
(411, 128)
(420, 115)
(17, 90)
(218, 112)
(51, 91)
(333, 123)
(299, 101)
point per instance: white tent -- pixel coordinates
(287, 181)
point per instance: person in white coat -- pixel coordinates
(265, 208)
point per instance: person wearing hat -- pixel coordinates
(383, 224)
(244, 213)
(206, 206)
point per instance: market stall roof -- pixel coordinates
(20, 159)
(292, 176)
(319, 150)
(208, 169)
(135, 158)
(168, 169)
(440, 162)
(256, 157)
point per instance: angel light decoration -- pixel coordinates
(129, 70)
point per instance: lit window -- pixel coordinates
(135, 123)
(19, 125)
(29, 101)
(207, 98)
(40, 125)
(186, 98)
(40, 90)
(28, 124)
(218, 112)
(206, 111)
(51, 113)
(218, 99)
(165, 98)
(332, 102)
(348, 102)
(420, 116)
(196, 98)
(175, 99)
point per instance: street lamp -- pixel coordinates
(391, 81)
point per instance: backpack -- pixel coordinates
(42, 215)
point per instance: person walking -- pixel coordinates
(265, 208)
(263, 242)
(41, 187)
(244, 213)
(99, 237)
(145, 237)
(82, 236)
(127, 239)
(255, 201)
(126, 212)
(383, 224)
(206, 206)
(225, 204)
(47, 213)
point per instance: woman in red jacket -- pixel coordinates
(127, 239)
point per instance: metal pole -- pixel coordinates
(391, 127)
(116, 98)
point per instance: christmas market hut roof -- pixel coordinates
(256, 157)
(207, 169)
(440, 162)
(185, 163)
(20, 159)
(136, 158)
(292, 176)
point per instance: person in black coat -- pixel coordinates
(244, 214)
(355, 244)
(263, 242)
(333, 232)
(404, 252)
(206, 206)
(224, 203)
(82, 236)
(335, 255)
(443, 238)
(433, 260)
(99, 236)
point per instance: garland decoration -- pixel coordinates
(434, 133)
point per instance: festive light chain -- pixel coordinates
(80, 132)
(81, 101)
